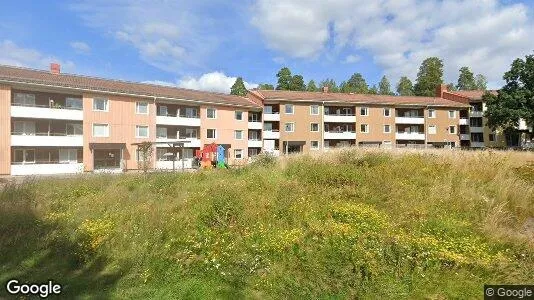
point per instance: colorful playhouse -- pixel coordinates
(212, 156)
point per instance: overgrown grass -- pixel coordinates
(349, 224)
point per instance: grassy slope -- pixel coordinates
(350, 224)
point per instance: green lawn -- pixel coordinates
(350, 224)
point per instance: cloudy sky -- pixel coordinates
(205, 44)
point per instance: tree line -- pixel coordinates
(430, 75)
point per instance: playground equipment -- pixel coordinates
(212, 156)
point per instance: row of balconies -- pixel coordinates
(348, 135)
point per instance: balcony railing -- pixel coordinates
(55, 106)
(46, 112)
(409, 135)
(410, 120)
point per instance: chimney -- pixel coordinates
(55, 68)
(325, 89)
(440, 89)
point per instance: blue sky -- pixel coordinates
(205, 44)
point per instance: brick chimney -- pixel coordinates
(440, 89)
(55, 68)
(325, 89)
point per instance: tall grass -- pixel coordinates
(345, 224)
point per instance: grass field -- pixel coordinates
(347, 224)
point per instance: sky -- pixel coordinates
(206, 44)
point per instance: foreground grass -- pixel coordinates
(350, 224)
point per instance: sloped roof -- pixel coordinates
(473, 95)
(272, 95)
(40, 77)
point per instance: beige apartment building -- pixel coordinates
(54, 123)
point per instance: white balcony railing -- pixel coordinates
(255, 125)
(476, 129)
(46, 169)
(271, 135)
(271, 117)
(464, 121)
(410, 120)
(339, 119)
(47, 141)
(177, 121)
(340, 135)
(46, 113)
(168, 164)
(476, 114)
(465, 136)
(409, 136)
(191, 142)
(255, 144)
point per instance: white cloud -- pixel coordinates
(14, 55)
(80, 47)
(350, 59)
(211, 82)
(483, 34)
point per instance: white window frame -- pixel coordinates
(159, 130)
(236, 133)
(366, 128)
(312, 108)
(214, 113)
(389, 112)
(292, 109)
(191, 133)
(453, 114)
(449, 129)
(434, 131)
(166, 110)
(431, 113)
(137, 108)
(102, 124)
(106, 103)
(366, 111)
(240, 151)
(389, 128)
(70, 153)
(214, 133)
(242, 115)
(137, 132)
(311, 127)
(315, 148)
(292, 127)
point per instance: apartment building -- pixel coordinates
(60, 123)
(307, 121)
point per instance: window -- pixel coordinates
(68, 156)
(191, 112)
(432, 129)
(477, 137)
(475, 122)
(238, 153)
(73, 103)
(314, 109)
(289, 109)
(364, 128)
(268, 126)
(161, 132)
(253, 152)
(314, 127)
(74, 129)
(100, 104)
(24, 99)
(24, 128)
(211, 113)
(100, 130)
(191, 133)
(211, 133)
(431, 113)
(163, 111)
(25, 156)
(452, 129)
(141, 131)
(239, 115)
(364, 111)
(141, 108)
(452, 114)
(267, 109)
(290, 127)
(492, 137)
(387, 128)
(253, 135)
(314, 145)
(387, 112)
(238, 134)
(253, 117)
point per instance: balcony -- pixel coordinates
(271, 117)
(47, 140)
(271, 135)
(465, 137)
(168, 164)
(340, 118)
(476, 114)
(340, 135)
(255, 125)
(477, 144)
(410, 136)
(178, 120)
(45, 112)
(255, 143)
(475, 129)
(190, 142)
(464, 121)
(46, 168)
(410, 120)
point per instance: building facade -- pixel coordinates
(54, 123)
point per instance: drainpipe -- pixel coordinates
(425, 127)
(322, 125)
